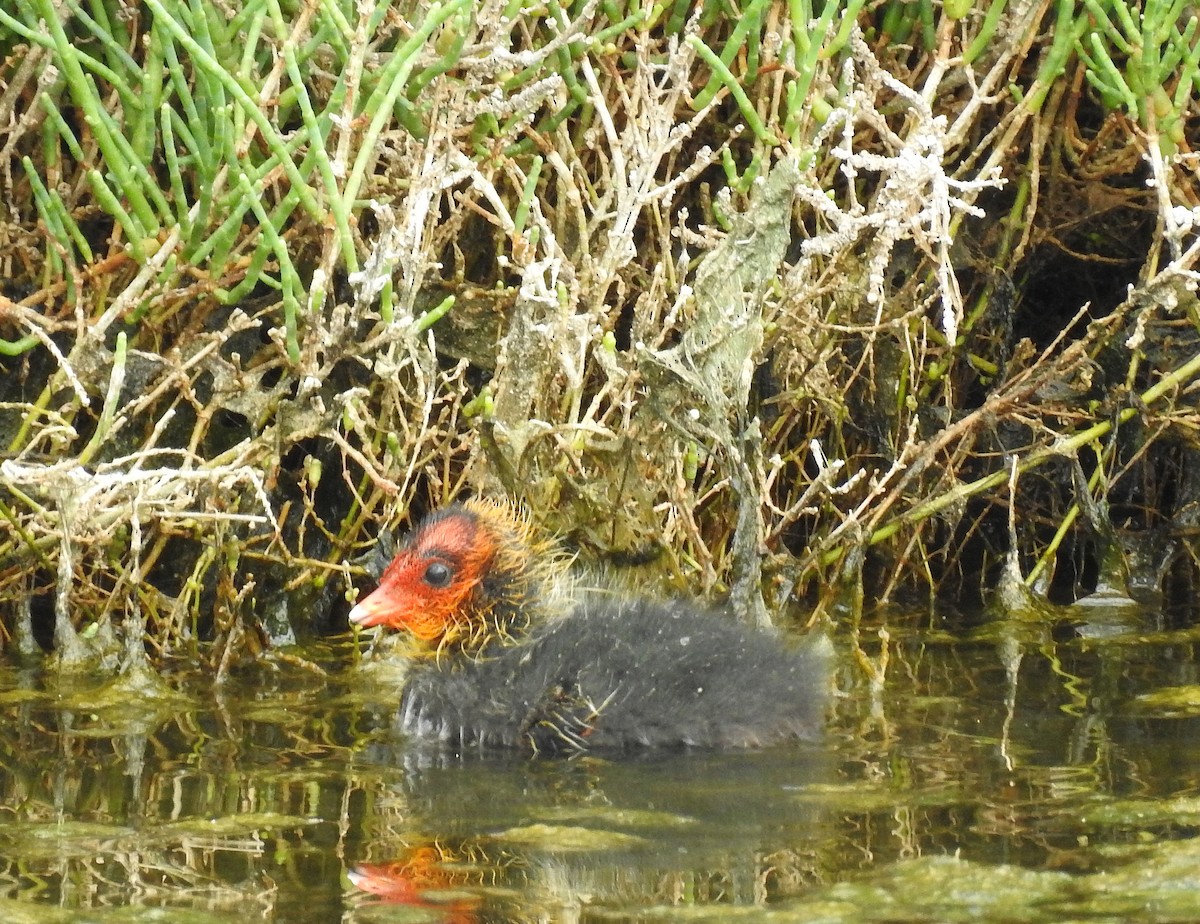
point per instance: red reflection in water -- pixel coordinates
(415, 881)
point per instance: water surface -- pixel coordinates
(1006, 772)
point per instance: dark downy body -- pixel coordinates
(506, 669)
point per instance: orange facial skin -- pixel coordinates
(462, 577)
(425, 588)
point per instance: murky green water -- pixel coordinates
(1010, 773)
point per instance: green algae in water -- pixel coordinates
(249, 824)
(569, 838)
(1170, 702)
(69, 838)
(873, 797)
(1134, 813)
(16, 912)
(946, 889)
(618, 817)
(22, 697)
(148, 915)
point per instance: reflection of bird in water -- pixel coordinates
(514, 662)
(420, 880)
(699, 827)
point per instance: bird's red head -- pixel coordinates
(460, 577)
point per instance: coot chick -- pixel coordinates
(515, 662)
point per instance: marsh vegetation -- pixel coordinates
(790, 301)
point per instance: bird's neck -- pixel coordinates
(521, 585)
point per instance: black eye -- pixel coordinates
(438, 574)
